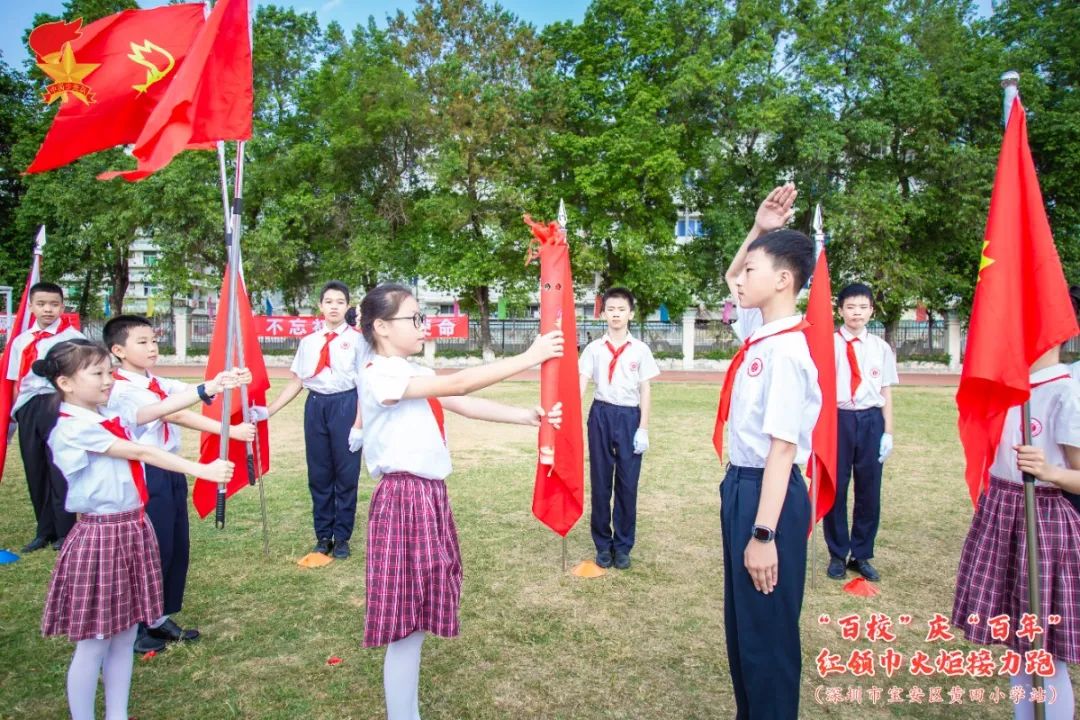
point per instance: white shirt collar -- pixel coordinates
(340, 329)
(784, 323)
(847, 334)
(54, 328)
(142, 381)
(629, 339)
(1048, 373)
(81, 412)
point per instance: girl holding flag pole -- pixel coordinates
(413, 563)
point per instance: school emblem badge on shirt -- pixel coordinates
(756, 366)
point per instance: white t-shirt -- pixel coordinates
(634, 366)
(877, 364)
(747, 320)
(1055, 421)
(33, 384)
(349, 352)
(132, 393)
(775, 395)
(97, 484)
(401, 436)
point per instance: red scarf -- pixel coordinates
(324, 354)
(853, 363)
(154, 387)
(615, 357)
(138, 473)
(724, 409)
(30, 352)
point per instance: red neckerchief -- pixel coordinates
(154, 387)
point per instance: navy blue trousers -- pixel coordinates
(47, 485)
(762, 631)
(858, 447)
(333, 471)
(613, 466)
(167, 510)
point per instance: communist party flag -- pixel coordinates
(210, 99)
(1021, 307)
(559, 491)
(819, 338)
(108, 76)
(204, 495)
(19, 324)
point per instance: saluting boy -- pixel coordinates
(771, 401)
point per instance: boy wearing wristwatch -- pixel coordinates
(770, 400)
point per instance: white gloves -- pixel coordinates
(259, 413)
(885, 450)
(356, 439)
(641, 441)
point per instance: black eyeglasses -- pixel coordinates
(419, 319)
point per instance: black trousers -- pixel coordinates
(167, 510)
(858, 447)
(333, 471)
(47, 485)
(613, 466)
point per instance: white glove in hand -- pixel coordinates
(259, 413)
(885, 450)
(356, 439)
(641, 441)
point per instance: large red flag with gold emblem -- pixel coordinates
(108, 76)
(210, 100)
(1021, 307)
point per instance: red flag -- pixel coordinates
(204, 495)
(211, 98)
(108, 76)
(559, 492)
(1021, 307)
(19, 324)
(819, 337)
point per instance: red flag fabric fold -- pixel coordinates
(109, 76)
(210, 99)
(819, 337)
(1021, 307)
(559, 491)
(204, 495)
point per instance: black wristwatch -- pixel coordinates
(763, 534)
(206, 398)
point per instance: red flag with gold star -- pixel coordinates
(1021, 307)
(108, 76)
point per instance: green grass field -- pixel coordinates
(536, 642)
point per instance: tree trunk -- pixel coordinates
(120, 281)
(84, 295)
(482, 296)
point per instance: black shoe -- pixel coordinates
(341, 549)
(169, 632)
(37, 543)
(58, 543)
(324, 546)
(864, 568)
(144, 643)
(837, 569)
(622, 560)
(603, 558)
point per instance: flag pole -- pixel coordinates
(819, 243)
(562, 224)
(1010, 82)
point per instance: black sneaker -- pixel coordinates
(837, 570)
(58, 543)
(603, 558)
(324, 546)
(622, 561)
(169, 632)
(341, 549)
(864, 568)
(144, 643)
(37, 543)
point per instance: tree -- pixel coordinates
(16, 111)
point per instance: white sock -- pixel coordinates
(159, 622)
(82, 678)
(117, 673)
(1063, 707)
(401, 677)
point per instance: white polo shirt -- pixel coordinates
(97, 483)
(33, 384)
(634, 366)
(1055, 421)
(877, 364)
(775, 395)
(401, 436)
(349, 352)
(132, 393)
(1074, 370)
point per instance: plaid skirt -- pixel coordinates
(106, 578)
(413, 561)
(993, 580)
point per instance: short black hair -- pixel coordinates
(619, 292)
(116, 330)
(789, 250)
(46, 287)
(855, 290)
(334, 285)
